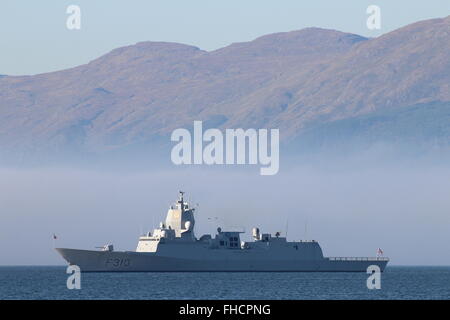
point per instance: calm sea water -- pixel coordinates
(396, 283)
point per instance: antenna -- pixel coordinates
(195, 208)
(287, 226)
(181, 202)
(212, 220)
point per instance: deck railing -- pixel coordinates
(358, 258)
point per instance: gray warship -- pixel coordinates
(173, 247)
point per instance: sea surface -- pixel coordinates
(397, 282)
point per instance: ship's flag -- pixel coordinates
(379, 252)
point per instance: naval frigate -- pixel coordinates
(174, 247)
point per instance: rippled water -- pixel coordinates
(396, 283)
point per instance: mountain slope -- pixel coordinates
(294, 81)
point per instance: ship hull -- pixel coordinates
(129, 261)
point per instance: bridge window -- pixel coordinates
(233, 242)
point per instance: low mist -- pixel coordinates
(350, 209)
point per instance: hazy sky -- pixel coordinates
(34, 37)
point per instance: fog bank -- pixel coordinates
(405, 210)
